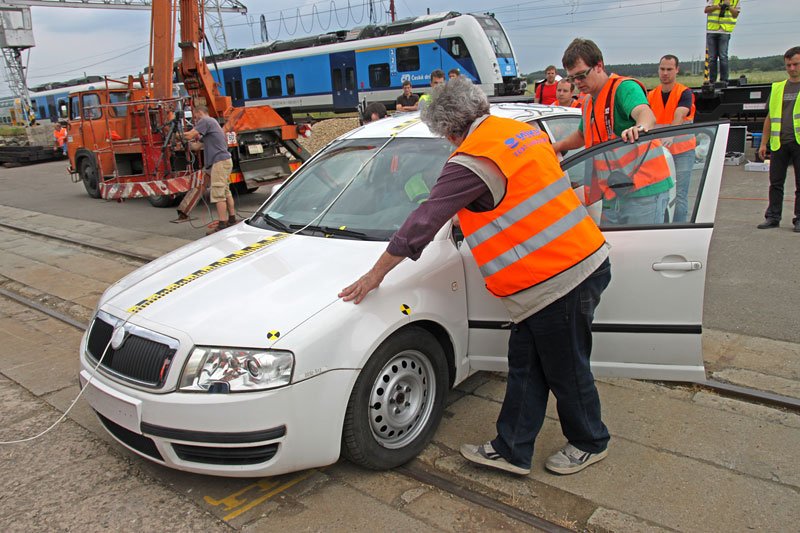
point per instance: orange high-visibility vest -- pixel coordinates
(572, 103)
(643, 163)
(540, 228)
(666, 113)
(60, 136)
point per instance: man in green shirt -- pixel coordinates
(644, 196)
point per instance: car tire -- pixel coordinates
(88, 173)
(397, 401)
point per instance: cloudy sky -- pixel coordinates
(71, 42)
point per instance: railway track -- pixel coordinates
(723, 389)
(728, 390)
(414, 470)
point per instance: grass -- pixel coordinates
(12, 131)
(756, 77)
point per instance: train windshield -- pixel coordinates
(496, 35)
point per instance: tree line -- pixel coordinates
(736, 64)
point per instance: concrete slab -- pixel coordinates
(757, 380)
(723, 349)
(661, 468)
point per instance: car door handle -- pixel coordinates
(683, 266)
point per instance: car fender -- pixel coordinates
(430, 292)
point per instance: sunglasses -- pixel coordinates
(580, 76)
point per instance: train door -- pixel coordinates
(52, 112)
(343, 81)
(233, 85)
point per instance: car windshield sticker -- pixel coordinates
(404, 126)
(228, 259)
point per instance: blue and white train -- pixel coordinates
(51, 101)
(337, 70)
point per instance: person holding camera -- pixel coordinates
(721, 19)
(632, 181)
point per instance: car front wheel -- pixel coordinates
(397, 401)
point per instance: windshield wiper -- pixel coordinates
(274, 222)
(330, 230)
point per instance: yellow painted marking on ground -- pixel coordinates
(394, 46)
(289, 484)
(234, 500)
(228, 259)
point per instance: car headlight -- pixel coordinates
(225, 370)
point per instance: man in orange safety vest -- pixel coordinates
(538, 250)
(673, 105)
(634, 181)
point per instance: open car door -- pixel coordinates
(649, 321)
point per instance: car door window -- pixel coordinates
(562, 127)
(652, 183)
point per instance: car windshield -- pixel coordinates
(358, 188)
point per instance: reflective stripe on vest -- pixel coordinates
(666, 113)
(726, 22)
(645, 164)
(539, 229)
(776, 115)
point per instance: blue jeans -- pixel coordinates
(717, 45)
(631, 210)
(684, 163)
(549, 351)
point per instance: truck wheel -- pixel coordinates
(88, 173)
(397, 401)
(165, 200)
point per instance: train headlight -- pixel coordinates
(219, 369)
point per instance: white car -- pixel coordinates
(234, 356)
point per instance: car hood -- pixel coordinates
(244, 285)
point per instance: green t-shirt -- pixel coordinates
(629, 95)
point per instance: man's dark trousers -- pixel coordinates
(550, 351)
(788, 153)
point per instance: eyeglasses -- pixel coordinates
(580, 76)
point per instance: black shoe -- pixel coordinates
(769, 223)
(797, 226)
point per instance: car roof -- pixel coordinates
(409, 124)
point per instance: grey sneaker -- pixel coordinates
(569, 460)
(484, 454)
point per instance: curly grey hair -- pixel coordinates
(454, 107)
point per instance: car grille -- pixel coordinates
(226, 456)
(140, 443)
(140, 359)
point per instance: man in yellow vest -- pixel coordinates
(673, 105)
(782, 131)
(437, 78)
(633, 182)
(720, 21)
(539, 252)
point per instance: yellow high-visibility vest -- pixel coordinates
(776, 112)
(726, 22)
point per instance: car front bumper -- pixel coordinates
(239, 435)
